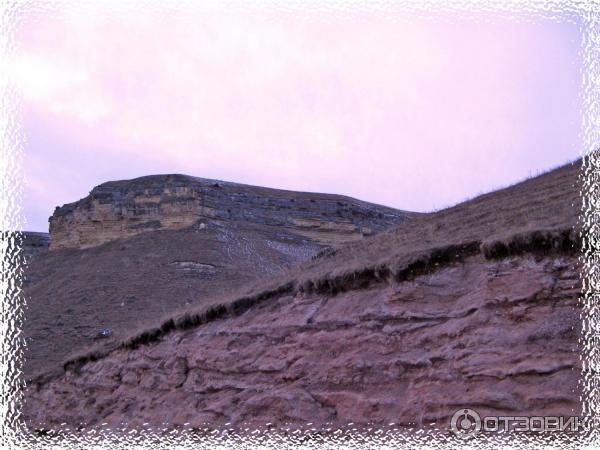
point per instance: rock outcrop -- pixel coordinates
(499, 336)
(135, 251)
(120, 209)
(476, 306)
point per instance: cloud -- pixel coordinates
(414, 114)
(62, 88)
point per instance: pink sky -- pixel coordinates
(415, 114)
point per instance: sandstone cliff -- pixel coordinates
(474, 306)
(121, 209)
(135, 251)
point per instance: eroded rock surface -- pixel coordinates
(473, 306)
(135, 251)
(119, 209)
(499, 336)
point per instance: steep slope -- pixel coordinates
(497, 336)
(475, 306)
(134, 251)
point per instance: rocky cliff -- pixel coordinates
(134, 251)
(471, 307)
(120, 209)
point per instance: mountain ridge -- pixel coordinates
(122, 208)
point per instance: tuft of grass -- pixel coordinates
(541, 242)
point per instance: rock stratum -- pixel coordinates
(498, 336)
(134, 251)
(120, 209)
(473, 306)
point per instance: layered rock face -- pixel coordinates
(495, 335)
(170, 242)
(476, 306)
(121, 209)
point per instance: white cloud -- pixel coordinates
(57, 85)
(382, 110)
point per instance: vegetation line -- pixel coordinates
(538, 242)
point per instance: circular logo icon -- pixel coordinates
(465, 423)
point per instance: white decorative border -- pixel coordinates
(587, 13)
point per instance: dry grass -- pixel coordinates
(539, 215)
